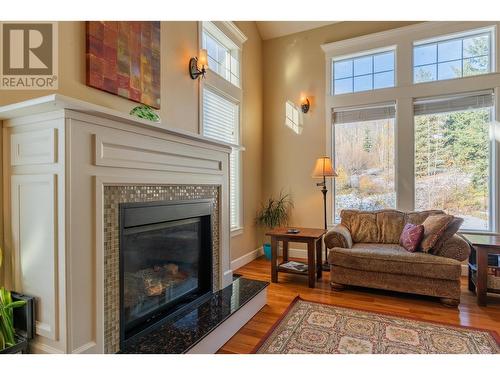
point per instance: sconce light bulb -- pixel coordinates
(202, 58)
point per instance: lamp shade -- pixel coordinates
(323, 168)
(203, 58)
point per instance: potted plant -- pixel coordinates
(145, 112)
(274, 214)
(9, 341)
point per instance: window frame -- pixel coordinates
(406, 91)
(216, 32)
(368, 53)
(454, 37)
(221, 86)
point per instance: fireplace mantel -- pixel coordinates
(59, 154)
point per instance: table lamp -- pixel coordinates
(323, 169)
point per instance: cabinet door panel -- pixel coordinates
(35, 246)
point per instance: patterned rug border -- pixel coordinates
(298, 298)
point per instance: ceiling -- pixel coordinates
(275, 29)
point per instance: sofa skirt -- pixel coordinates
(397, 282)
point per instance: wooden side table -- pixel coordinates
(482, 244)
(312, 237)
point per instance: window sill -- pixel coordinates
(236, 231)
(480, 232)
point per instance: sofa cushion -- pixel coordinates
(451, 229)
(392, 258)
(362, 225)
(411, 236)
(382, 226)
(418, 217)
(434, 227)
(390, 225)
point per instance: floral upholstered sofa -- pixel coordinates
(364, 251)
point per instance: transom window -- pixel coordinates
(363, 73)
(223, 54)
(455, 57)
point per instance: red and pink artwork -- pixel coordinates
(123, 58)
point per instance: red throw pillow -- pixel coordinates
(411, 237)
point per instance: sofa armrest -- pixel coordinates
(455, 248)
(338, 236)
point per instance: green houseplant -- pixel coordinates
(274, 213)
(145, 112)
(7, 305)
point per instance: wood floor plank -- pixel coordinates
(280, 295)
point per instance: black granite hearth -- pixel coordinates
(183, 332)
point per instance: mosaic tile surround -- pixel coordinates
(113, 196)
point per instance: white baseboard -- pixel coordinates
(247, 258)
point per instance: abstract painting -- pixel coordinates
(123, 58)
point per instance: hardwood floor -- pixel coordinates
(418, 307)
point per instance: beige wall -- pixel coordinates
(293, 65)
(252, 85)
(179, 98)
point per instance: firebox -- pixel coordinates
(165, 261)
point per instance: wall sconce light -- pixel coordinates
(304, 104)
(198, 65)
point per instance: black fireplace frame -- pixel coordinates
(167, 211)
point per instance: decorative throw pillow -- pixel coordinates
(449, 232)
(434, 227)
(411, 237)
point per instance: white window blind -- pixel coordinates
(427, 106)
(220, 121)
(378, 112)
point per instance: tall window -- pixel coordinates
(447, 134)
(453, 57)
(221, 122)
(363, 73)
(221, 103)
(364, 158)
(452, 157)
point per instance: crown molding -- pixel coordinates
(235, 31)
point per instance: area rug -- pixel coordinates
(310, 327)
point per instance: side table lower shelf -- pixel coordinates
(483, 247)
(473, 280)
(288, 270)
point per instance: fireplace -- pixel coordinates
(165, 261)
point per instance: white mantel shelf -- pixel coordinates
(58, 154)
(56, 102)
